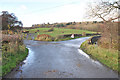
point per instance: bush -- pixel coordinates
(12, 38)
(44, 37)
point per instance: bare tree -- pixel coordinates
(107, 11)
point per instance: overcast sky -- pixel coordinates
(44, 11)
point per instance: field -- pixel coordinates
(58, 31)
(57, 34)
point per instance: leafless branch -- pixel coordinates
(103, 10)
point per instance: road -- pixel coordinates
(61, 59)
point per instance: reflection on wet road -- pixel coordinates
(61, 59)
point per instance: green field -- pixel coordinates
(58, 31)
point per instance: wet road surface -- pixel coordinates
(61, 59)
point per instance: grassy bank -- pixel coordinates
(13, 52)
(108, 57)
(12, 60)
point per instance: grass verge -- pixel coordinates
(12, 60)
(107, 57)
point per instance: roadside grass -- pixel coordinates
(13, 52)
(58, 31)
(12, 60)
(108, 57)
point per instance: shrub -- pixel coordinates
(44, 37)
(12, 38)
